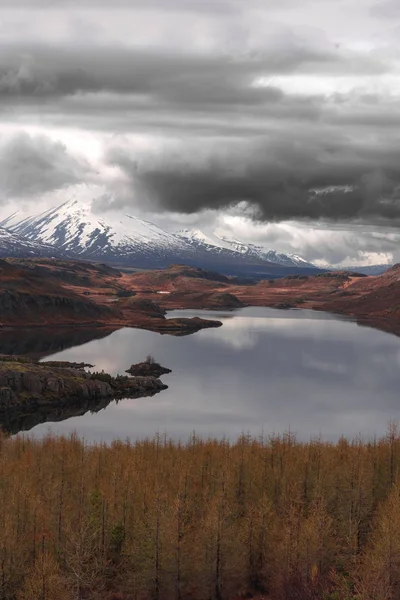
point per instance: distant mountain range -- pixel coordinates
(369, 270)
(199, 240)
(73, 230)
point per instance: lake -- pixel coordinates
(263, 371)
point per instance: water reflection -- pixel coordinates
(14, 421)
(38, 343)
(264, 371)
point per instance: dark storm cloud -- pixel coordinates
(31, 165)
(281, 145)
(183, 78)
(265, 104)
(275, 177)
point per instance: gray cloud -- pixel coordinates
(179, 77)
(348, 245)
(35, 165)
(333, 244)
(40, 71)
(274, 176)
(387, 9)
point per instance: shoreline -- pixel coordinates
(29, 388)
(54, 296)
(183, 324)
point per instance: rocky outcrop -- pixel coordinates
(148, 368)
(24, 383)
(224, 300)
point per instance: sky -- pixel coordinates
(274, 122)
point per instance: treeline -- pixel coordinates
(208, 520)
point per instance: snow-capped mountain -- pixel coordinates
(214, 243)
(15, 246)
(73, 228)
(196, 237)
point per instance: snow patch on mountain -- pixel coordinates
(73, 227)
(210, 243)
(218, 243)
(13, 245)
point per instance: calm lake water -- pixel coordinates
(264, 371)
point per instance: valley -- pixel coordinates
(46, 292)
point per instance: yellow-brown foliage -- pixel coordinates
(207, 520)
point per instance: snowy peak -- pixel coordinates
(200, 239)
(195, 235)
(273, 256)
(218, 244)
(15, 246)
(74, 228)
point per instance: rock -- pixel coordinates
(53, 385)
(148, 368)
(7, 397)
(15, 381)
(32, 383)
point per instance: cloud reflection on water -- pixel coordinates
(264, 370)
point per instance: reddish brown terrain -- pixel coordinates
(47, 292)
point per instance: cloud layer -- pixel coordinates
(196, 107)
(281, 178)
(35, 165)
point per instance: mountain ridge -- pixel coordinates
(257, 252)
(16, 246)
(73, 228)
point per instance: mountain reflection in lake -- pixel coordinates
(264, 371)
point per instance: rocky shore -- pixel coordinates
(25, 383)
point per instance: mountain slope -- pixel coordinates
(73, 228)
(128, 241)
(16, 246)
(222, 245)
